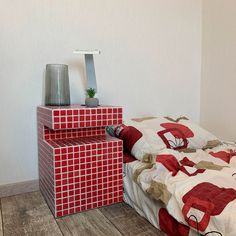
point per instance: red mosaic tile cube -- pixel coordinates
(80, 167)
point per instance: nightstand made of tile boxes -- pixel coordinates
(80, 167)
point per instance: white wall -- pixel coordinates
(150, 63)
(218, 94)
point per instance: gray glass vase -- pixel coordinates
(57, 88)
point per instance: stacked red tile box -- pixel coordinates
(80, 167)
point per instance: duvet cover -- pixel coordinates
(197, 188)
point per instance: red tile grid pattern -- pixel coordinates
(79, 169)
(74, 117)
(50, 134)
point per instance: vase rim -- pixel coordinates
(56, 65)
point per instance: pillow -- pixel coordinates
(147, 136)
(202, 138)
(140, 137)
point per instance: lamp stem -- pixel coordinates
(90, 72)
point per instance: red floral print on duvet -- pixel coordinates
(224, 156)
(171, 226)
(180, 132)
(207, 198)
(170, 162)
(205, 202)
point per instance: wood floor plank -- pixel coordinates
(91, 223)
(27, 214)
(19, 188)
(128, 221)
(1, 230)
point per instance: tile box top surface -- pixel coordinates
(75, 107)
(83, 141)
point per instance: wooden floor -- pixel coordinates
(28, 214)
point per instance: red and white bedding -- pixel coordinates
(186, 193)
(188, 188)
(154, 211)
(147, 136)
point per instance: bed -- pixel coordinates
(143, 204)
(183, 181)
